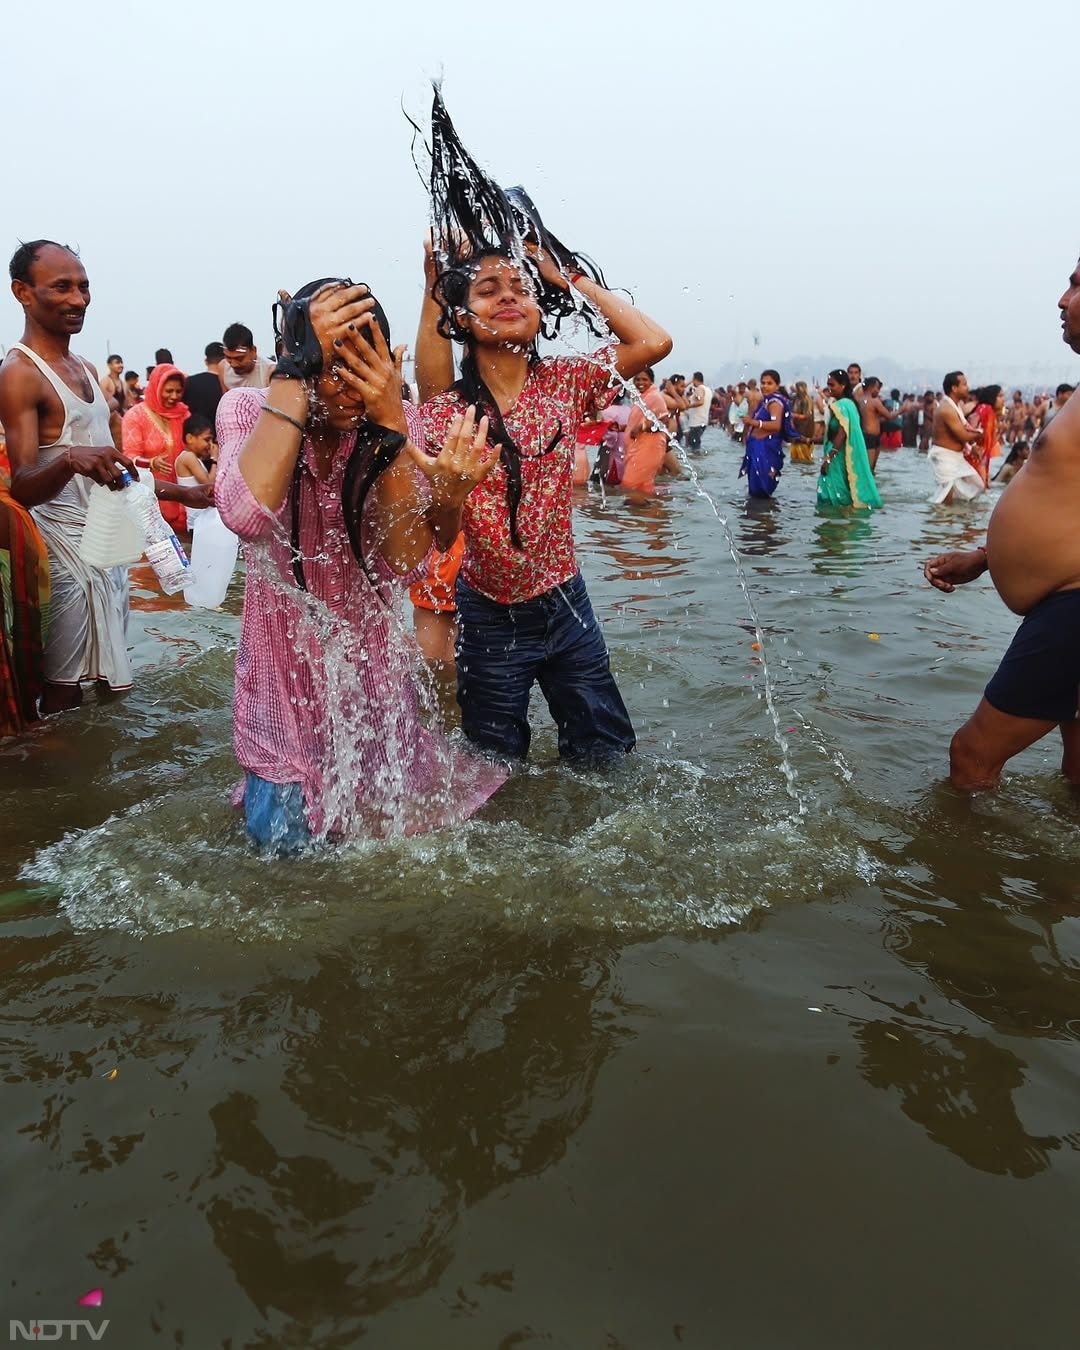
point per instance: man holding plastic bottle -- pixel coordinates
(58, 443)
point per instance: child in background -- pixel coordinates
(197, 462)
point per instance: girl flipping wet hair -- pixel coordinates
(501, 279)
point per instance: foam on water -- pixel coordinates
(594, 854)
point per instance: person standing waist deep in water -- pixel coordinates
(764, 459)
(523, 609)
(846, 477)
(59, 443)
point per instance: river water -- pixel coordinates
(635, 1061)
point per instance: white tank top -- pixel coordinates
(84, 424)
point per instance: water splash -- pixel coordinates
(366, 706)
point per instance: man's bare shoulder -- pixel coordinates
(19, 376)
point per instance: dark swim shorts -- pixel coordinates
(1039, 675)
(872, 439)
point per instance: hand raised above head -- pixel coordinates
(547, 266)
(367, 366)
(465, 460)
(333, 309)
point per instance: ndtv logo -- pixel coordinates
(46, 1329)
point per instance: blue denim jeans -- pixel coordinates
(554, 639)
(275, 815)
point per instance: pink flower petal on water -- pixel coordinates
(93, 1299)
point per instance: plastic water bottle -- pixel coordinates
(112, 536)
(213, 557)
(163, 550)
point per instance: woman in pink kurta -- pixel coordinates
(327, 717)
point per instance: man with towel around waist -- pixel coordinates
(956, 480)
(58, 439)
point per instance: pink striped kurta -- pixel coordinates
(326, 694)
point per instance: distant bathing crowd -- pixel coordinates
(348, 494)
(961, 430)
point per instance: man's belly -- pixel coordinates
(1033, 543)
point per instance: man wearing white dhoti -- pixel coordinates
(56, 421)
(955, 478)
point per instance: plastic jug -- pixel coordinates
(112, 536)
(213, 559)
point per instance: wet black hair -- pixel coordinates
(1012, 457)
(114, 357)
(774, 373)
(24, 257)
(951, 381)
(987, 394)
(375, 449)
(473, 218)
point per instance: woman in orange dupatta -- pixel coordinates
(989, 405)
(153, 432)
(24, 609)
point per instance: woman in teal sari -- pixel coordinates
(846, 478)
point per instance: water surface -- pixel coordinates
(633, 1061)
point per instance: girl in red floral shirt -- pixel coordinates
(524, 616)
(523, 609)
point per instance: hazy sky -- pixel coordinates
(887, 180)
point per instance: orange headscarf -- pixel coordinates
(178, 414)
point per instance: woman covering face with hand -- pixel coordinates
(324, 479)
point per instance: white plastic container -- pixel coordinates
(112, 536)
(213, 559)
(163, 550)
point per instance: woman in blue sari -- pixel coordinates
(846, 478)
(764, 458)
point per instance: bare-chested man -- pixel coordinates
(112, 383)
(1033, 553)
(1016, 416)
(674, 392)
(955, 479)
(874, 414)
(59, 443)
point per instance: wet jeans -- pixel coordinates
(275, 815)
(502, 650)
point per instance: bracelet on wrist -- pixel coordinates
(285, 417)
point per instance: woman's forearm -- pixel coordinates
(434, 366)
(642, 342)
(268, 457)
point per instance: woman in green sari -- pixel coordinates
(846, 478)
